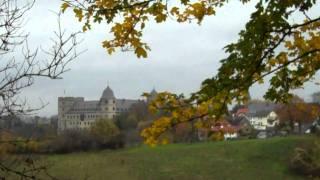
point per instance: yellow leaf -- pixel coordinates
(64, 6)
(142, 25)
(84, 28)
(210, 11)
(174, 11)
(160, 17)
(140, 52)
(110, 50)
(78, 13)
(272, 62)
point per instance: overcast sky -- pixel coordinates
(182, 56)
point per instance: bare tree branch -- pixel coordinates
(20, 65)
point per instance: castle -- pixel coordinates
(75, 113)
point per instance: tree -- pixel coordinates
(270, 45)
(137, 112)
(19, 73)
(126, 121)
(105, 130)
(183, 132)
(297, 111)
(134, 15)
(19, 67)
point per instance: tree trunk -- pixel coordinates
(300, 127)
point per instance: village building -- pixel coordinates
(260, 115)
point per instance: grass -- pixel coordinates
(245, 159)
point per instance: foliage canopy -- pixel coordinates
(105, 129)
(272, 44)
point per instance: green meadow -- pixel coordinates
(243, 159)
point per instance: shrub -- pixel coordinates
(127, 122)
(183, 132)
(70, 141)
(217, 136)
(132, 137)
(144, 124)
(306, 161)
(105, 131)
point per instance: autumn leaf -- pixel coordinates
(64, 7)
(140, 52)
(78, 14)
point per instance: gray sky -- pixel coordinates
(182, 56)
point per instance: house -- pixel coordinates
(257, 115)
(229, 131)
(314, 127)
(264, 121)
(244, 126)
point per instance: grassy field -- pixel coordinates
(245, 159)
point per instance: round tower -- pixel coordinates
(152, 96)
(108, 103)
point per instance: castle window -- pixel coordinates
(82, 117)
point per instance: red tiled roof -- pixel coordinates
(242, 111)
(224, 127)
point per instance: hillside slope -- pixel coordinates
(246, 159)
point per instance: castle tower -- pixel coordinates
(108, 103)
(153, 95)
(64, 105)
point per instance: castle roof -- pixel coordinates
(108, 94)
(85, 106)
(79, 105)
(125, 103)
(153, 92)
